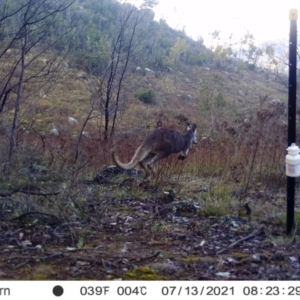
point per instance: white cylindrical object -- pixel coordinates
(292, 161)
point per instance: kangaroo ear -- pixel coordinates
(194, 126)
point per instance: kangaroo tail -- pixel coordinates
(139, 155)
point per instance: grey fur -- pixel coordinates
(159, 144)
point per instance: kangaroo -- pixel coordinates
(159, 144)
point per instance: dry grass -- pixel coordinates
(236, 155)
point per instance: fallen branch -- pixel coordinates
(149, 257)
(35, 213)
(28, 190)
(38, 193)
(5, 194)
(252, 235)
(35, 260)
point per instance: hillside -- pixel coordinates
(177, 93)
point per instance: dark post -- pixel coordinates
(292, 115)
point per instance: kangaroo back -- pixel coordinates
(171, 141)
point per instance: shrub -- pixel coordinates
(147, 96)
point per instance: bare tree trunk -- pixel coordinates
(128, 55)
(27, 25)
(109, 90)
(12, 142)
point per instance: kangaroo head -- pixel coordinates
(193, 128)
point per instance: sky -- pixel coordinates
(267, 20)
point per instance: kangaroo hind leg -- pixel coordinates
(144, 164)
(157, 158)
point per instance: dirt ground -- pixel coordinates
(150, 236)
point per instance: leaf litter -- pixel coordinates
(171, 238)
